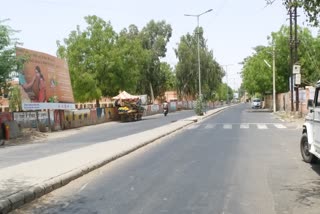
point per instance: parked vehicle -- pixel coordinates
(310, 140)
(256, 103)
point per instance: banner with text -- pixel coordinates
(39, 106)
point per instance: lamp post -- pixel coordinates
(273, 78)
(227, 81)
(198, 15)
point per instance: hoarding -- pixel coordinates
(44, 78)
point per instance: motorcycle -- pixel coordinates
(165, 112)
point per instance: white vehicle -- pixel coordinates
(310, 140)
(256, 103)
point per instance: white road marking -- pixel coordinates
(210, 126)
(244, 126)
(279, 126)
(227, 126)
(262, 126)
(83, 187)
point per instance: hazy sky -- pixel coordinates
(232, 29)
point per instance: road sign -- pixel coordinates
(296, 69)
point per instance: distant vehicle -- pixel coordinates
(256, 103)
(310, 140)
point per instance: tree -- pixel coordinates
(129, 58)
(15, 102)
(310, 7)
(308, 53)
(257, 77)
(187, 68)
(168, 76)
(8, 61)
(155, 37)
(101, 62)
(88, 54)
(224, 92)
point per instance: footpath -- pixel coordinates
(22, 183)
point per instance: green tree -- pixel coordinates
(187, 68)
(168, 76)
(224, 92)
(155, 37)
(309, 53)
(8, 61)
(129, 58)
(311, 8)
(257, 77)
(15, 102)
(88, 54)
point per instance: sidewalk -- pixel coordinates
(25, 182)
(290, 118)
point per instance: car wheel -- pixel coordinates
(304, 149)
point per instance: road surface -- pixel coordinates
(236, 162)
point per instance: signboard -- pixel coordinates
(296, 69)
(39, 106)
(297, 79)
(28, 116)
(44, 78)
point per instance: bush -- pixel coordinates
(199, 106)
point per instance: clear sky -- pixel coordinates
(232, 29)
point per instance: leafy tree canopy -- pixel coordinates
(8, 61)
(187, 73)
(257, 76)
(311, 8)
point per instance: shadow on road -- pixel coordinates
(316, 167)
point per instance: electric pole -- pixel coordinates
(227, 81)
(296, 51)
(291, 55)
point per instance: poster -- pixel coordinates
(44, 78)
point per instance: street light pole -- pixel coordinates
(274, 77)
(198, 46)
(199, 70)
(227, 81)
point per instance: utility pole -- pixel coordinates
(227, 81)
(274, 77)
(227, 85)
(296, 51)
(291, 55)
(198, 46)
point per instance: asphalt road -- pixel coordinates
(84, 136)
(236, 162)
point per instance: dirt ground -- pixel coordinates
(28, 136)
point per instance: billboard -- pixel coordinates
(44, 78)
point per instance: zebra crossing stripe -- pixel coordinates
(279, 126)
(244, 126)
(210, 126)
(262, 126)
(227, 126)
